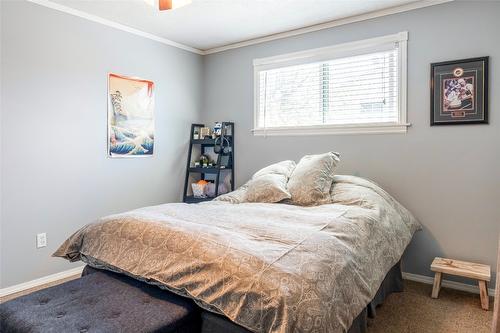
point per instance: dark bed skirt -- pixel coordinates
(393, 282)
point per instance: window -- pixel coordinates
(358, 87)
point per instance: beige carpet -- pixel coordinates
(414, 311)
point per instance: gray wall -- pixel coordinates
(449, 177)
(55, 176)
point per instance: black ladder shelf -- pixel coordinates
(204, 143)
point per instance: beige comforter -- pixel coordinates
(267, 267)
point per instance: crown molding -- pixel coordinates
(330, 24)
(327, 25)
(115, 25)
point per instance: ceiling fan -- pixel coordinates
(167, 4)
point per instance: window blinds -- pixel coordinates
(357, 89)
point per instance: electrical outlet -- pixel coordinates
(41, 240)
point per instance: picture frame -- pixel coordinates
(459, 92)
(130, 117)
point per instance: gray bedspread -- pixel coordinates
(267, 267)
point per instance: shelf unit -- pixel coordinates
(205, 143)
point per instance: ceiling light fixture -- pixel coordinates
(167, 4)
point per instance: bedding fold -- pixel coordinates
(267, 267)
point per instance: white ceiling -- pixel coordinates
(207, 24)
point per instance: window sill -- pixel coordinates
(332, 129)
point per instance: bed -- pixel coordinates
(266, 267)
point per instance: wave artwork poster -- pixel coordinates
(130, 116)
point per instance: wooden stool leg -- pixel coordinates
(437, 285)
(483, 293)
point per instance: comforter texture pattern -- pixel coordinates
(266, 267)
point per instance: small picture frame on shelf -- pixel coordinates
(205, 132)
(459, 92)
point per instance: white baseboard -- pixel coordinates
(446, 283)
(78, 270)
(41, 281)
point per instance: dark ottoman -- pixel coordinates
(100, 302)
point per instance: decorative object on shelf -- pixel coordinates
(220, 172)
(130, 116)
(222, 145)
(199, 188)
(204, 161)
(218, 129)
(196, 135)
(210, 189)
(205, 132)
(459, 92)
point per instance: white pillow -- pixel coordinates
(269, 184)
(312, 179)
(266, 185)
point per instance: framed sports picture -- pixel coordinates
(459, 92)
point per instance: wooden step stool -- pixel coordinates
(471, 270)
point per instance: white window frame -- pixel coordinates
(328, 53)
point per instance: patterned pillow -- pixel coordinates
(281, 168)
(267, 188)
(312, 179)
(269, 183)
(237, 196)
